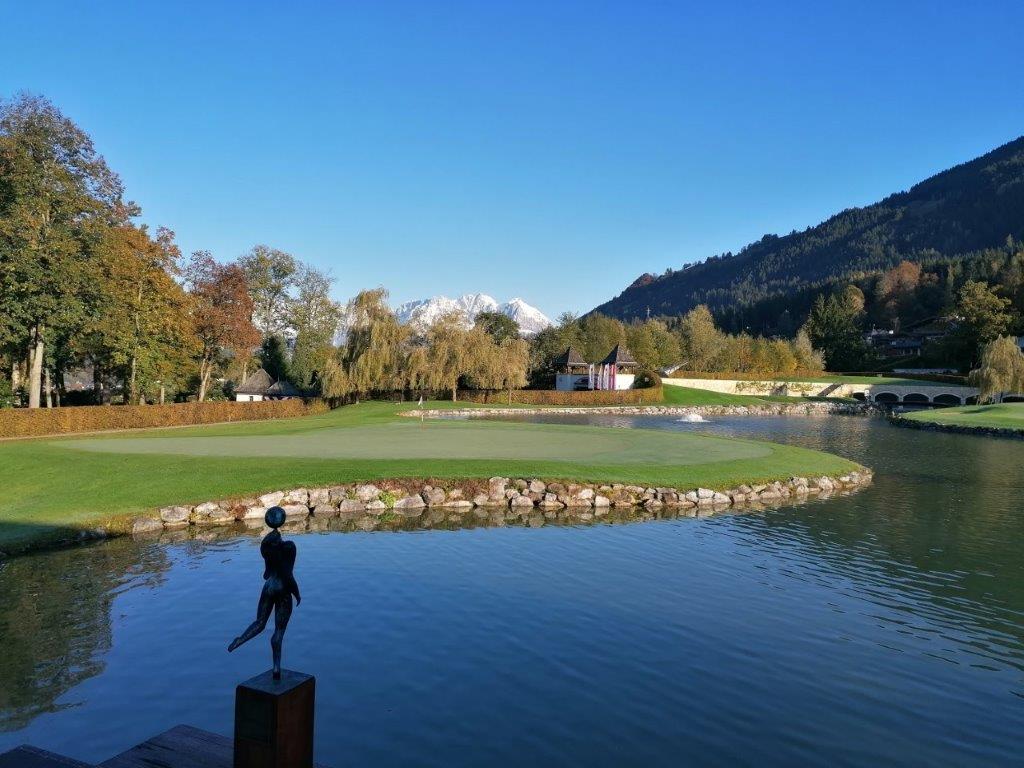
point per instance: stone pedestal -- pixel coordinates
(274, 721)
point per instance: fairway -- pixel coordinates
(52, 484)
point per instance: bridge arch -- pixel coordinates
(947, 399)
(861, 396)
(1013, 399)
(916, 398)
(886, 397)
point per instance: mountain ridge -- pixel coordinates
(422, 312)
(955, 213)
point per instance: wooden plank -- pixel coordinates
(27, 756)
(181, 747)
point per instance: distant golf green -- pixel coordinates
(1001, 415)
(58, 483)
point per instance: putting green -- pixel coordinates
(53, 484)
(434, 439)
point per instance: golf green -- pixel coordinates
(51, 485)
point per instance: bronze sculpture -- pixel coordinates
(278, 587)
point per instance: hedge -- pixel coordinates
(23, 422)
(558, 397)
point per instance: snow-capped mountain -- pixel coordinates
(423, 312)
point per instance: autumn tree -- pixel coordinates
(54, 187)
(221, 312)
(700, 342)
(1001, 369)
(140, 328)
(453, 350)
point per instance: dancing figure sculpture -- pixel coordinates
(278, 587)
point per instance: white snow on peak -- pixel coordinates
(423, 312)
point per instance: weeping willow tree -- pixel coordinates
(373, 356)
(1001, 369)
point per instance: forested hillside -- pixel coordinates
(954, 216)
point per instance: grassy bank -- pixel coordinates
(997, 415)
(76, 481)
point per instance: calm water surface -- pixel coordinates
(885, 627)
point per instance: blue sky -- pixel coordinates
(549, 150)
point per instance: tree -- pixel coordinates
(700, 342)
(373, 357)
(139, 327)
(832, 328)
(314, 316)
(273, 356)
(453, 351)
(981, 317)
(54, 187)
(1001, 369)
(221, 311)
(270, 275)
(808, 359)
(499, 325)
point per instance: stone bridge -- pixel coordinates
(906, 391)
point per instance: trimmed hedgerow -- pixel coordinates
(557, 397)
(22, 422)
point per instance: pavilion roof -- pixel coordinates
(569, 357)
(619, 356)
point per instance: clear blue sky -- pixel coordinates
(549, 150)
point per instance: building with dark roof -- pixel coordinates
(615, 371)
(260, 386)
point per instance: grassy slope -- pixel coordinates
(838, 379)
(675, 395)
(1002, 415)
(75, 481)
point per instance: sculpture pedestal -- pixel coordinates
(274, 721)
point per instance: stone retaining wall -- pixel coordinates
(516, 496)
(811, 408)
(962, 429)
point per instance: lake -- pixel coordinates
(885, 627)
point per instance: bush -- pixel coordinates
(556, 397)
(646, 379)
(22, 422)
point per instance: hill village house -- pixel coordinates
(616, 371)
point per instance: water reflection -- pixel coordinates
(882, 627)
(55, 621)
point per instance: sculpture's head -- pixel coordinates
(274, 517)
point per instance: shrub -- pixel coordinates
(21, 422)
(646, 379)
(556, 397)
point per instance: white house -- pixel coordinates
(259, 386)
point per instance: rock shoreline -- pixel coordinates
(508, 497)
(768, 409)
(959, 429)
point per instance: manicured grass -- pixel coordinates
(1001, 415)
(867, 380)
(75, 481)
(676, 395)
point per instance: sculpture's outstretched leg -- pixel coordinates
(282, 612)
(266, 604)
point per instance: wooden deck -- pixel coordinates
(181, 747)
